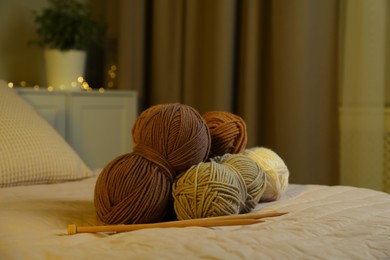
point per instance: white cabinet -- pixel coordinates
(97, 125)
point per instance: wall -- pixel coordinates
(18, 60)
(23, 62)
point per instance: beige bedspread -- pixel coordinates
(322, 223)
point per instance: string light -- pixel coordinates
(85, 85)
(111, 75)
(79, 82)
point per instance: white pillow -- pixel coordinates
(31, 150)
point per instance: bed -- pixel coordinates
(40, 196)
(322, 223)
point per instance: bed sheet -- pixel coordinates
(323, 222)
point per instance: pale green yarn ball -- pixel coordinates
(277, 173)
(208, 189)
(252, 174)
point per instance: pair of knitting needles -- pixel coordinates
(230, 220)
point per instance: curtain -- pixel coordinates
(362, 93)
(272, 62)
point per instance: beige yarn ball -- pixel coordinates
(253, 175)
(208, 189)
(276, 172)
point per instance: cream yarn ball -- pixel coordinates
(276, 171)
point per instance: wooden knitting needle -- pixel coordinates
(255, 215)
(231, 220)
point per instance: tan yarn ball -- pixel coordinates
(228, 133)
(136, 187)
(208, 190)
(276, 172)
(253, 175)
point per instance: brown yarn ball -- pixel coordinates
(176, 131)
(228, 133)
(136, 187)
(131, 189)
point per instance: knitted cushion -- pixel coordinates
(31, 151)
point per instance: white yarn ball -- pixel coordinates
(276, 172)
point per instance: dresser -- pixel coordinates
(96, 124)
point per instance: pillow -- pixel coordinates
(31, 150)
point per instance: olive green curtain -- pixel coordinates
(273, 62)
(363, 83)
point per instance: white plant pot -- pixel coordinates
(63, 68)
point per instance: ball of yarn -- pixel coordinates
(130, 189)
(175, 131)
(208, 190)
(228, 133)
(253, 175)
(136, 187)
(276, 172)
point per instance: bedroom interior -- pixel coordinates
(308, 78)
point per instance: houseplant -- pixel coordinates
(65, 30)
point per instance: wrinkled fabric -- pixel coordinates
(323, 222)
